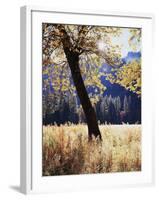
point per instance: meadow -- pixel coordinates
(66, 149)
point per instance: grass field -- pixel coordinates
(66, 150)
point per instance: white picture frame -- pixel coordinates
(31, 169)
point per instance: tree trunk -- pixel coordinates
(73, 61)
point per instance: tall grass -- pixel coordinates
(66, 149)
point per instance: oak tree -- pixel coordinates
(72, 57)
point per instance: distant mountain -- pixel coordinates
(112, 89)
(115, 89)
(132, 56)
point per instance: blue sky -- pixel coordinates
(123, 41)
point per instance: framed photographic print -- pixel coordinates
(86, 100)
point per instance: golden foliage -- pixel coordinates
(129, 76)
(135, 38)
(66, 149)
(95, 47)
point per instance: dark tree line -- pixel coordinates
(110, 110)
(116, 110)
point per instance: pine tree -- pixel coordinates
(104, 109)
(126, 105)
(126, 109)
(112, 113)
(117, 104)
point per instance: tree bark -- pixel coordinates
(73, 61)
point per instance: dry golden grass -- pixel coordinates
(66, 150)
